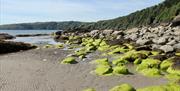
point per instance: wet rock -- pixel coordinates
(4, 36)
(167, 48)
(31, 35)
(9, 46)
(145, 47)
(159, 57)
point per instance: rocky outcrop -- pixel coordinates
(31, 35)
(10, 46)
(4, 36)
(176, 21)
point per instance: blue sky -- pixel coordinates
(20, 11)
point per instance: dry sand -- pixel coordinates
(40, 70)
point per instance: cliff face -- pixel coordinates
(162, 13)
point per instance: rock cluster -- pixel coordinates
(10, 46)
(165, 38)
(4, 36)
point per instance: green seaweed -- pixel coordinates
(69, 60)
(123, 87)
(166, 64)
(151, 72)
(168, 87)
(120, 70)
(173, 71)
(103, 61)
(103, 70)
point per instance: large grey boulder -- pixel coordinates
(133, 30)
(177, 46)
(161, 40)
(107, 32)
(167, 48)
(141, 41)
(116, 33)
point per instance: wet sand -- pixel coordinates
(40, 70)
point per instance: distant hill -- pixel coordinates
(162, 13)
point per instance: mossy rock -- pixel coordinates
(155, 53)
(166, 64)
(118, 70)
(118, 50)
(138, 61)
(97, 42)
(173, 77)
(123, 87)
(59, 46)
(69, 60)
(103, 61)
(103, 48)
(177, 54)
(151, 72)
(103, 43)
(89, 89)
(120, 61)
(169, 87)
(103, 70)
(173, 71)
(152, 63)
(129, 46)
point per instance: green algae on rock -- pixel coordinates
(89, 89)
(166, 64)
(168, 87)
(103, 61)
(118, 70)
(151, 72)
(48, 46)
(103, 70)
(69, 60)
(173, 71)
(123, 87)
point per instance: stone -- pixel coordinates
(177, 46)
(133, 30)
(94, 32)
(4, 36)
(172, 42)
(141, 41)
(161, 40)
(176, 21)
(155, 46)
(107, 32)
(116, 33)
(167, 48)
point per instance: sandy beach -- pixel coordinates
(40, 70)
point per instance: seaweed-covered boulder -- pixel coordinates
(89, 89)
(123, 87)
(118, 70)
(69, 60)
(168, 87)
(103, 61)
(10, 46)
(151, 72)
(103, 70)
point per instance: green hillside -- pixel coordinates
(164, 12)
